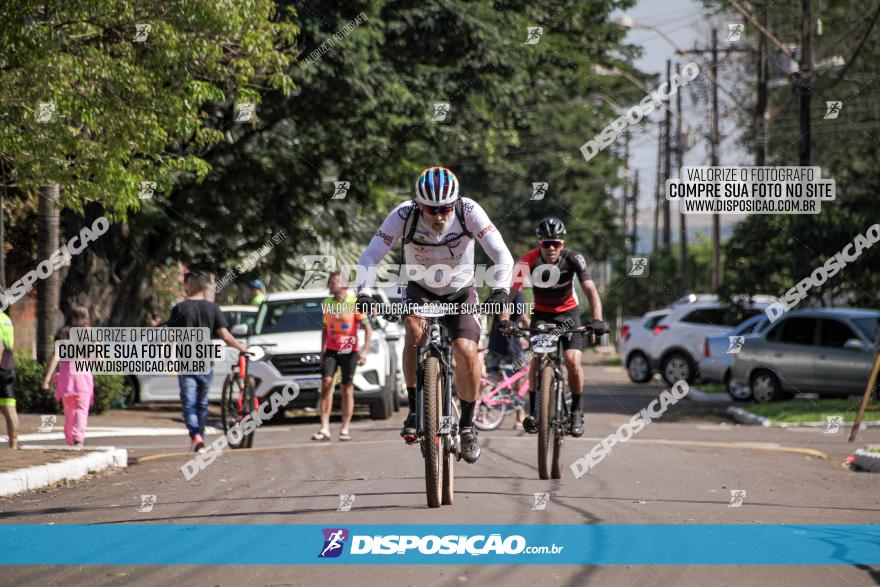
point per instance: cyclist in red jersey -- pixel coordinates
(558, 303)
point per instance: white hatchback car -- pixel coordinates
(678, 338)
(635, 344)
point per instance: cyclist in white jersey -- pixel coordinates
(439, 228)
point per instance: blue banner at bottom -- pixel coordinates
(244, 544)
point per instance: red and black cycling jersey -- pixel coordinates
(561, 296)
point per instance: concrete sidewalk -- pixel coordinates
(30, 469)
(40, 465)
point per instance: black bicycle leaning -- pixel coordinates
(553, 400)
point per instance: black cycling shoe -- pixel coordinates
(530, 425)
(470, 447)
(577, 424)
(409, 432)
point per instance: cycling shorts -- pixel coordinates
(347, 362)
(7, 387)
(459, 325)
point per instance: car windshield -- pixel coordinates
(236, 317)
(290, 316)
(753, 325)
(867, 326)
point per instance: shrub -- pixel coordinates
(30, 399)
(108, 390)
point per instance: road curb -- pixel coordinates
(745, 417)
(695, 395)
(111, 432)
(30, 478)
(867, 461)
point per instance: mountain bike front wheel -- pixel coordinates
(546, 407)
(432, 444)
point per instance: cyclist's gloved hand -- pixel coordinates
(364, 304)
(598, 327)
(504, 326)
(498, 296)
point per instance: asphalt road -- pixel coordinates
(678, 470)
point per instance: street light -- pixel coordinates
(628, 22)
(597, 69)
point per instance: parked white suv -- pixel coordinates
(288, 329)
(635, 344)
(678, 338)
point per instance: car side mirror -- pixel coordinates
(239, 330)
(855, 344)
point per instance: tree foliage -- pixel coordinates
(123, 109)
(362, 113)
(770, 254)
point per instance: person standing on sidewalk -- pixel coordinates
(7, 379)
(75, 389)
(197, 312)
(339, 348)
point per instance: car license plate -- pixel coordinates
(311, 383)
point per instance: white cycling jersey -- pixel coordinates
(453, 259)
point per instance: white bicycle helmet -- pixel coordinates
(436, 186)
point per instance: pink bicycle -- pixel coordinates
(497, 396)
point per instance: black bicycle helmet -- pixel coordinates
(550, 228)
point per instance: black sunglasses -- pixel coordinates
(551, 243)
(434, 210)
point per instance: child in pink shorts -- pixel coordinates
(75, 390)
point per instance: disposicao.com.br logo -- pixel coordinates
(430, 544)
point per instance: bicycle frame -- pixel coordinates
(507, 383)
(554, 359)
(437, 344)
(553, 421)
(235, 402)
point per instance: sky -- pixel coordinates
(687, 23)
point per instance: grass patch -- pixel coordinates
(610, 362)
(814, 410)
(711, 387)
(873, 449)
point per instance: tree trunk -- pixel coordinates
(48, 290)
(112, 277)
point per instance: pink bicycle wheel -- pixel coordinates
(491, 406)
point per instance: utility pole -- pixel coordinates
(716, 219)
(682, 226)
(623, 199)
(658, 183)
(635, 210)
(715, 135)
(761, 138)
(667, 168)
(805, 79)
